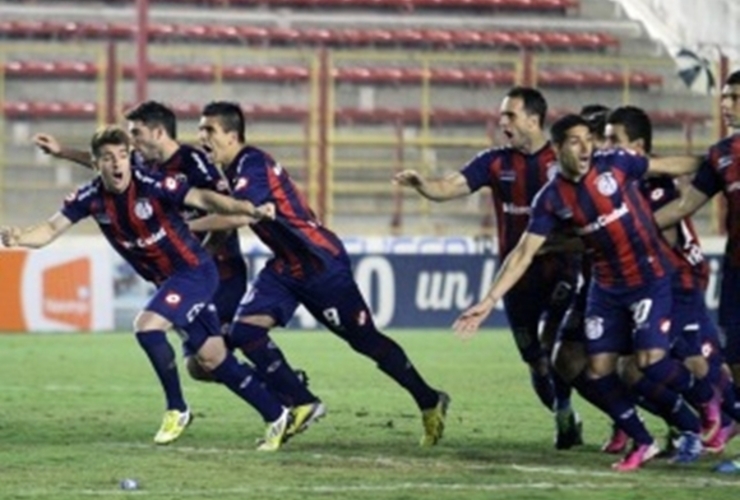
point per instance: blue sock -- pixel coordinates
(562, 392)
(661, 401)
(674, 375)
(724, 386)
(391, 359)
(270, 363)
(241, 380)
(610, 395)
(544, 388)
(162, 357)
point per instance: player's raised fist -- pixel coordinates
(410, 178)
(47, 143)
(266, 211)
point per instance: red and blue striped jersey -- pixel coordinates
(692, 270)
(143, 224)
(720, 171)
(302, 246)
(606, 209)
(514, 178)
(192, 166)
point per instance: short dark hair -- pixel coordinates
(595, 115)
(559, 129)
(230, 116)
(534, 101)
(153, 113)
(636, 124)
(110, 134)
(733, 79)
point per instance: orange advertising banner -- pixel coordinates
(62, 289)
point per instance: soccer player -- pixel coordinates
(720, 172)
(515, 173)
(153, 130)
(596, 195)
(139, 214)
(629, 127)
(310, 266)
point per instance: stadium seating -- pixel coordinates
(260, 35)
(356, 75)
(31, 110)
(548, 6)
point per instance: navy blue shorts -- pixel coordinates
(185, 300)
(626, 320)
(691, 324)
(331, 296)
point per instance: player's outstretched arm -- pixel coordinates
(513, 268)
(51, 146)
(446, 188)
(218, 222)
(36, 236)
(675, 166)
(215, 202)
(690, 201)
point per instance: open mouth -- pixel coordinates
(118, 176)
(508, 134)
(208, 149)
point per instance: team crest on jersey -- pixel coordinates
(241, 183)
(594, 327)
(724, 162)
(606, 184)
(143, 209)
(71, 197)
(657, 194)
(552, 170)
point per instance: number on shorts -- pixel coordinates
(641, 310)
(332, 317)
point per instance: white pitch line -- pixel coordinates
(396, 463)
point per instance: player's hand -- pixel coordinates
(408, 178)
(266, 211)
(467, 324)
(48, 144)
(10, 236)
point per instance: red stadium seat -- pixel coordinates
(314, 36)
(88, 111)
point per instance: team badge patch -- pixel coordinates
(143, 209)
(594, 327)
(241, 183)
(171, 184)
(606, 184)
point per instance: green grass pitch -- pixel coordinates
(78, 412)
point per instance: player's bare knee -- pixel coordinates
(569, 359)
(697, 365)
(628, 370)
(540, 366)
(197, 372)
(647, 357)
(212, 353)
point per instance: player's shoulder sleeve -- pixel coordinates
(659, 191)
(78, 204)
(200, 171)
(544, 217)
(708, 178)
(629, 162)
(251, 181)
(167, 188)
(478, 171)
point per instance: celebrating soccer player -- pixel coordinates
(514, 174)
(596, 196)
(140, 216)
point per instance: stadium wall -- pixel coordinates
(80, 284)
